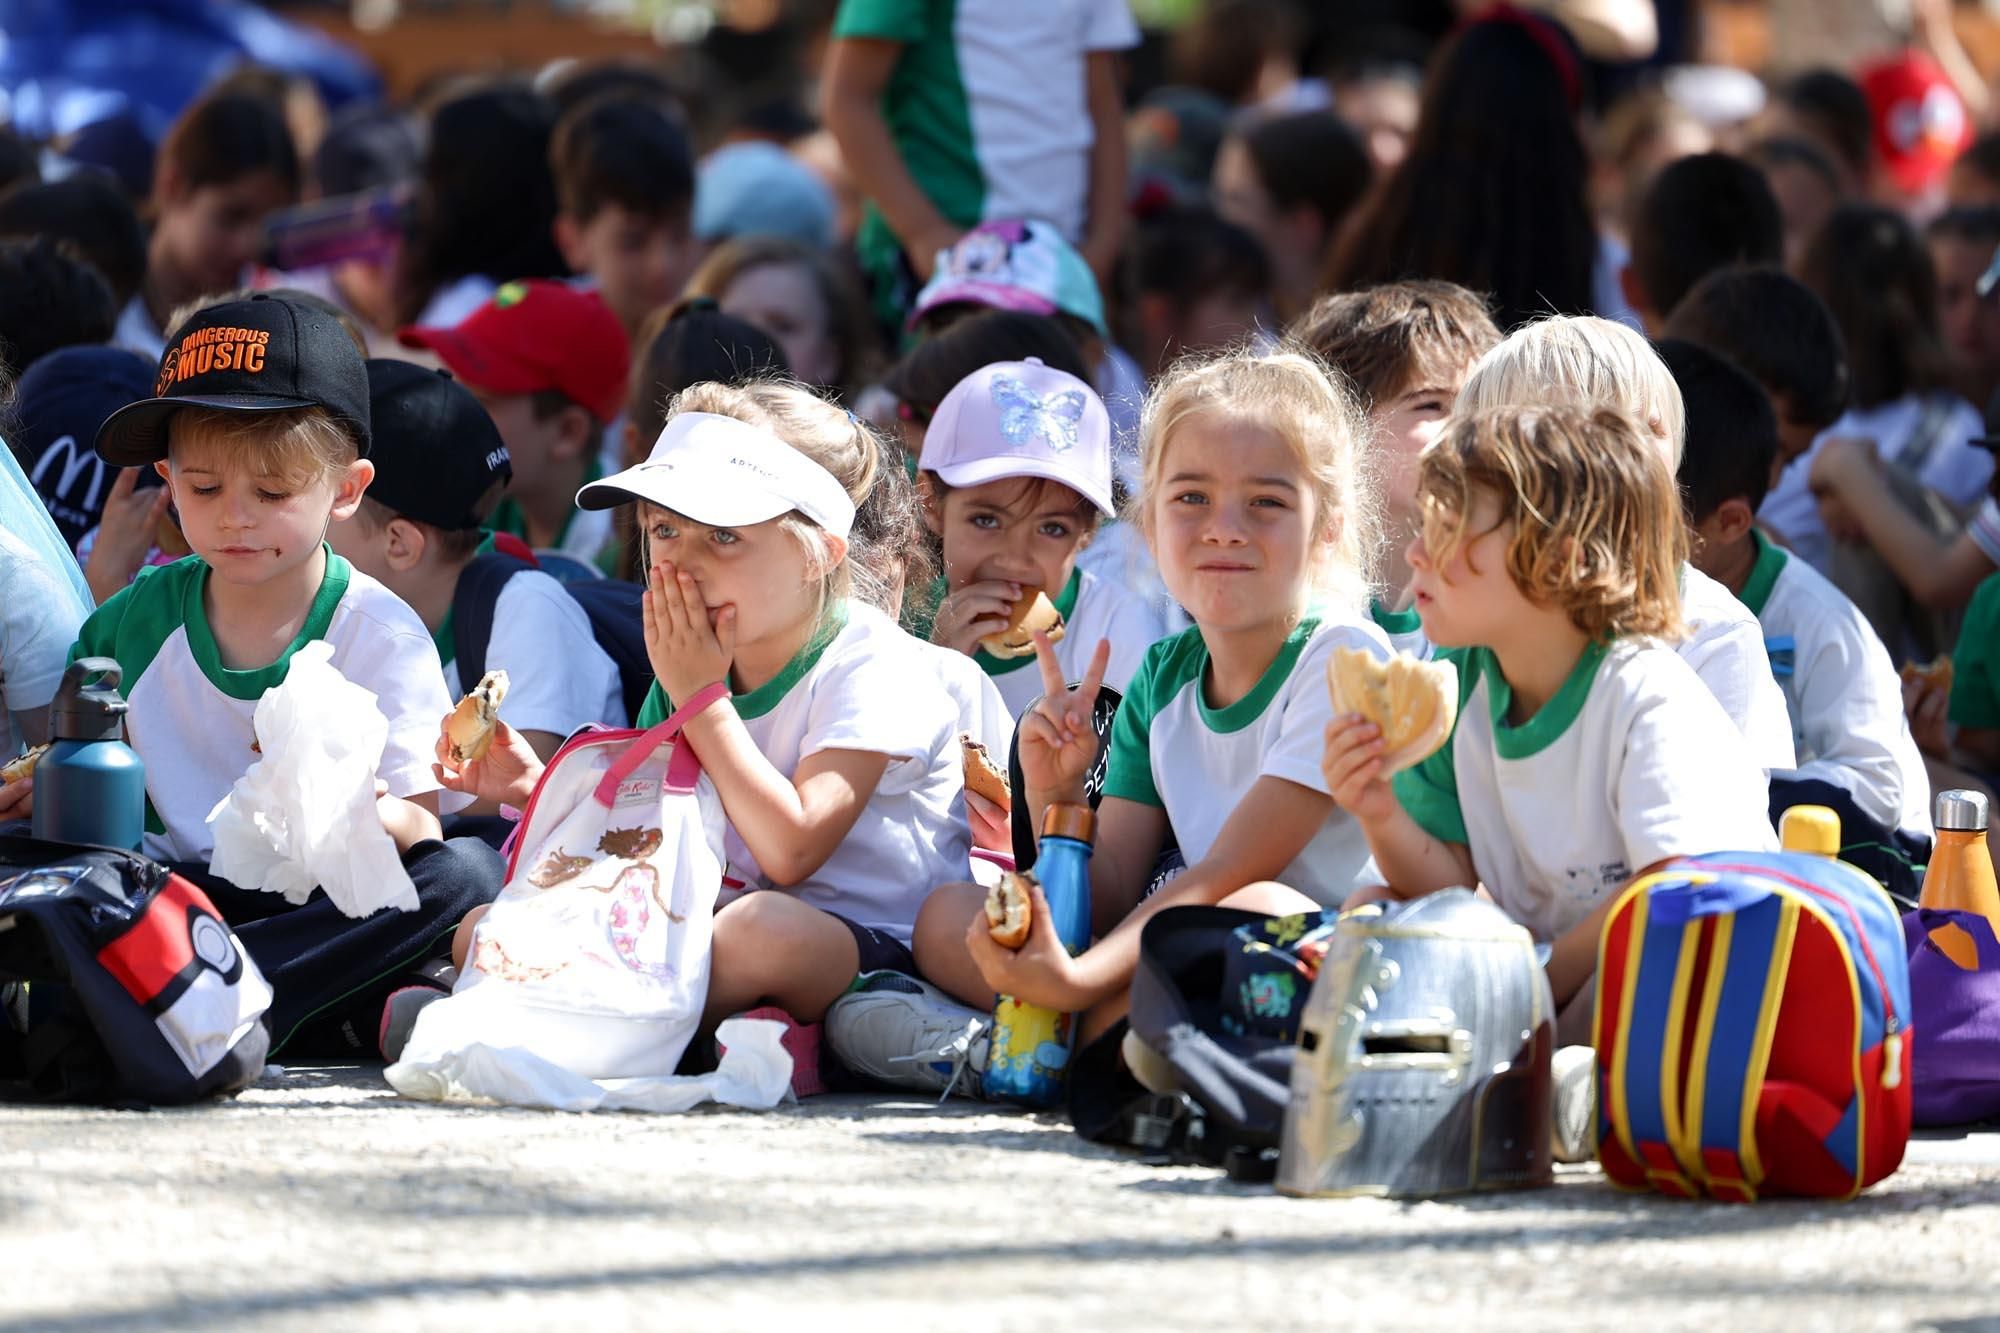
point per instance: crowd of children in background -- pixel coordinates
(1658, 422)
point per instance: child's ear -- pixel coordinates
(1734, 519)
(932, 504)
(836, 551)
(569, 241)
(404, 544)
(166, 471)
(577, 434)
(350, 486)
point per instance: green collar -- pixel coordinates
(1406, 621)
(252, 684)
(1251, 706)
(1764, 574)
(1552, 718)
(1065, 607)
(507, 514)
(442, 636)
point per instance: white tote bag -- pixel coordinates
(587, 977)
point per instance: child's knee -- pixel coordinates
(1271, 899)
(461, 939)
(944, 916)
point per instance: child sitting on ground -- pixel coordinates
(1260, 519)
(549, 364)
(1600, 364)
(262, 435)
(1406, 347)
(1586, 751)
(1845, 697)
(1015, 475)
(832, 746)
(440, 469)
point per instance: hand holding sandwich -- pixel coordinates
(969, 614)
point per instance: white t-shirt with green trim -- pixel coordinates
(558, 678)
(988, 104)
(870, 687)
(1845, 696)
(1405, 629)
(192, 720)
(1631, 762)
(1092, 609)
(1170, 749)
(1725, 646)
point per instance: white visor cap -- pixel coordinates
(728, 474)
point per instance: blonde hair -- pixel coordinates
(299, 446)
(1293, 395)
(1590, 362)
(1598, 531)
(831, 437)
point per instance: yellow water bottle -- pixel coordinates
(1960, 875)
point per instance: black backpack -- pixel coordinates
(617, 622)
(1203, 1006)
(123, 984)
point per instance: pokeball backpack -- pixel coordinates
(124, 985)
(1753, 1030)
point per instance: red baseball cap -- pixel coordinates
(536, 335)
(1921, 125)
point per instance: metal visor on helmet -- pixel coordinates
(1423, 1060)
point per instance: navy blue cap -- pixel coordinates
(60, 402)
(437, 454)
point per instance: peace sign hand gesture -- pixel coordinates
(1056, 741)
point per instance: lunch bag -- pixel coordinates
(1753, 1030)
(595, 956)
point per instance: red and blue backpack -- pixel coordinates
(1752, 1029)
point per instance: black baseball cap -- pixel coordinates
(264, 354)
(437, 453)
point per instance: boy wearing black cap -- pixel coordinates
(260, 428)
(440, 469)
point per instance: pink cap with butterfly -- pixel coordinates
(1022, 419)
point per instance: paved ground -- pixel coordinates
(322, 1201)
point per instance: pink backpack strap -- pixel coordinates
(683, 770)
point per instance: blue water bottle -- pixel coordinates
(1027, 1057)
(90, 787)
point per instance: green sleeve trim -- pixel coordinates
(252, 684)
(137, 620)
(1162, 673)
(1428, 791)
(883, 20)
(1975, 687)
(1763, 574)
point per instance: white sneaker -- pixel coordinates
(899, 1031)
(1573, 1104)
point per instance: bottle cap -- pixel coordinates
(1063, 820)
(83, 712)
(1810, 828)
(1961, 811)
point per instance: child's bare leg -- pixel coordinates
(461, 939)
(938, 942)
(772, 948)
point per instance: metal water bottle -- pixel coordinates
(1027, 1059)
(90, 787)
